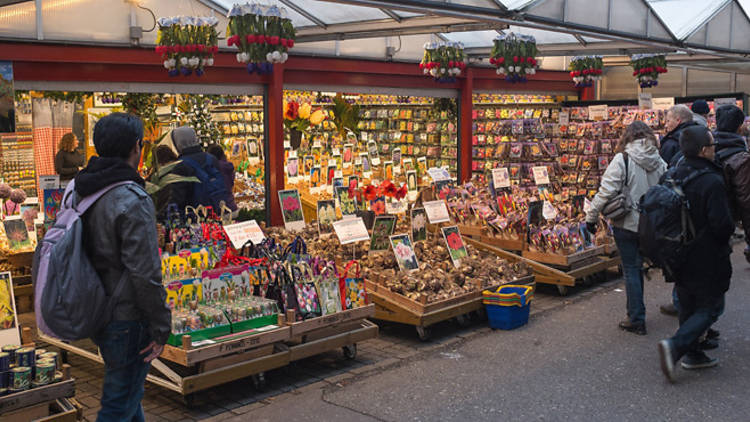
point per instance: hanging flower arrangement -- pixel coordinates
(647, 67)
(443, 61)
(586, 69)
(263, 35)
(187, 44)
(514, 55)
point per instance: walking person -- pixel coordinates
(68, 162)
(679, 117)
(121, 241)
(635, 168)
(704, 278)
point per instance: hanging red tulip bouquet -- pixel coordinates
(187, 44)
(443, 61)
(263, 35)
(514, 55)
(647, 67)
(585, 70)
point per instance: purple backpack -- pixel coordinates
(69, 298)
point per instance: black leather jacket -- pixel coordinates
(120, 234)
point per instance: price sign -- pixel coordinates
(240, 233)
(351, 230)
(437, 212)
(563, 118)
(663, 103)
(718, 102)
(438, 174)
(598, 112)
(541, 175)
(548, 211)
(645, 101)
(49, 182)
(500, 178)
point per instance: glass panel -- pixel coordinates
(544, 37)
(18, 20)
(516, 4)
(684, 16)
(338, 13)
(473, 38)
(297, 19)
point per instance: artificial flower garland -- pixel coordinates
(647, 67)
(263, 35)
(187, 44)
(585, 70)
(443, 61)
(515, 56)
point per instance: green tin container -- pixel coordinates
(20, 378)
(45, 373)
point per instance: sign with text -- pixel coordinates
(240, 233)
(662, 103)
(645, 101)
(541, 175)
(501, 178)
(437, 212)
(351, 230)
(718, 102)
(598, 112)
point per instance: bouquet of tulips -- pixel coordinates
(263, 35)
(187, 44)
(514, 55)
(443, 61)
(647, 67)
(586, 69)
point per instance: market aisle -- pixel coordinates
(569, 363)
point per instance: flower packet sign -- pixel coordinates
(418, 224)
(180, 292)
(217, 284)
(291, 210)
(501, 178)
(541, 175)
(326, 216)
(439, 174)
(382, 229)
(351, 230)
(239, 234)
(437, 212)
(9, 333)
(456, 248)
(372, 150)
(52, 199)
(404, 252)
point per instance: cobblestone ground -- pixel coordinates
(395, 345)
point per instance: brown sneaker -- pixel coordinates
(639, 329)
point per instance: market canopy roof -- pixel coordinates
(364, 28)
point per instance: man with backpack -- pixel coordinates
(120, 239)
(698, 258)
(211, 190)
(734, 159)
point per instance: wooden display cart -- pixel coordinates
(51, 402)
(485, 235)
(390, 306)
(583, 266)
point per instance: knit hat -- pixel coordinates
(700, 107)
(184, 137)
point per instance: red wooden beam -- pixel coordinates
(275, 134)
(296, 76)
(465, 125)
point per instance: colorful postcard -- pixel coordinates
(377, 205)
(404, 252)
(30, 212)
(315, 177)
(326, 216)
(422, 166)
(382, 229)
(359, 169)
(372, 150)
(396, 156)
(292, 168)
(388, 170)
(330, 174)
(291, 209)
(317, 153)
(337, 181)
(52, 203)
(348, 155)
(353, 182)
(418, 224)
(308, 164)
(411, 180)
(348, 205)
(17, 234)
(456, 247)
(365, 162)
(408, 164)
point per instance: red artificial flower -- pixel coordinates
(201, 47)
(388, 188)
(215, 49)
(635, 73)
(572, 74)
(451, 63)
(421, 66)
(401, 193)
(501, 60)
(522, 59)
(274, 40)
(260, 39)
(290, 43)
(370, 192)
(454, 241)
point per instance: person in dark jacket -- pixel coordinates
(68, 162)
(678, 118)
(227, 171)
(733, 157)
(121, 241)
(187, 145)
(703, 280)
(700, 111)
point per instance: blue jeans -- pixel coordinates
(119, 344)
(632, 265)
(675, 299)
(697, 313)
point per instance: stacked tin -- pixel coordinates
(22, 368)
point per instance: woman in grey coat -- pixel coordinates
(639, 147)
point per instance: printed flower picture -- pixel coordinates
(347, 204)
(52, 202)
(7, 309)
(309, 162)
(292, 167)
(404, 252)
(315, 177)
(377, 205)
(17, 233)
(291, 207)
(456, 247)
(418, 224)
(326, 216)
(382, 229)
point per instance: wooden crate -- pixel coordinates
(331, 338)
(563, 260)
(302, 327)
(36, 396)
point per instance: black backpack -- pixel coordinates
(665, 229)
(211, 190)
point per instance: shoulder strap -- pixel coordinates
(694, 175)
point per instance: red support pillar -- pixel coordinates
(465, 124)
(275, 148)
(588, 93)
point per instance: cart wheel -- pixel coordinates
(588, 280)
(423, 332)
(563, 290)
(463, 320)
(259, 381)
(64, 356)
(350, 351)
(189, 400)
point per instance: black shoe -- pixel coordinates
(667, 361)
(698, 361)
(668, 310)
(639, 329)
(747, 254)
(712, 334)
(708, 344)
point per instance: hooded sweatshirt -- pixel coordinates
(645, 167)
(728, 144)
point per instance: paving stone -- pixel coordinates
(247, 408)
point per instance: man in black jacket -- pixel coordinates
(703, 280)
(121, 241)
(734, 159)
(679, 117)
